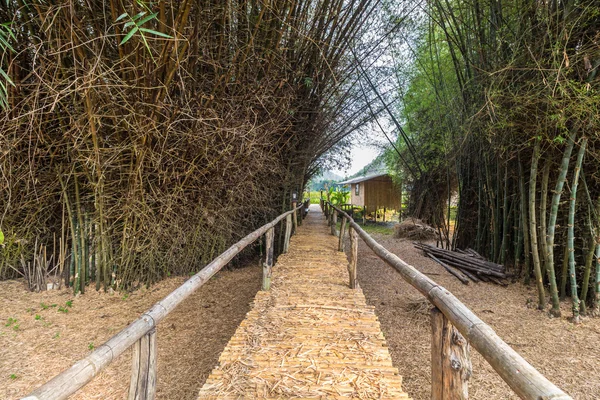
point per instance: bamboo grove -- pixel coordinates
(500, 101)
(139, 138)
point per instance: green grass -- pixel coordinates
(370, 227)
(382, 229)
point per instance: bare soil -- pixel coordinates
(567, 354)
(190, 339)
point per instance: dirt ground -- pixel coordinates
(45, 339)
(567, 354)
(190, 339)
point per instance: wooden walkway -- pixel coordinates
(310, 336)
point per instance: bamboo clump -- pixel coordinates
(151, 151)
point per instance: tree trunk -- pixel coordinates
(450, 361)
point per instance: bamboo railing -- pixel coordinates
(141, 333)
(454, 328)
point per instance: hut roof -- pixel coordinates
(362, 179)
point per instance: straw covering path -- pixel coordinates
(310, 336)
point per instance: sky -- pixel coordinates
(367, 146)
(361, 156)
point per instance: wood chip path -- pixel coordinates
(310, 336)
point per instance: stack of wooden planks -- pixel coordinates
(466, 265)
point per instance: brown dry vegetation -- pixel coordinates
(146, 155)
(190, 339)
(566, 354)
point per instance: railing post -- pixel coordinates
(268, 265)
(143, 369)
(288, 233)
(342, 232)
(334, 221)
(353, 257)
(450, 361)
(295, 216)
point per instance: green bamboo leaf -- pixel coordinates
(153, 32)
(5, 76)
(5, 45)
(148, 18)
(1, 237)
(121, 17)
(139, 15)
(128, 24)
(129, 35)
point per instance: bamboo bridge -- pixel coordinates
(310, 333)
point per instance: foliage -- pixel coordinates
(338, 195)
(315, 197)
(136, 23)
(487, 80)
(143, 138)
(6, 35)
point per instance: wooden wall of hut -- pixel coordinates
(380, 193)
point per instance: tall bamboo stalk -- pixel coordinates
(571, 230)
(587, 271)
(533, 227)
(543, 215)
(525, 221)
(564, 276)
(562, 176)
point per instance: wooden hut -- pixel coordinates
(375, 192)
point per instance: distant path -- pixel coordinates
(310, 336)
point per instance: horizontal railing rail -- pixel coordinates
(141, 333)
(521, 376)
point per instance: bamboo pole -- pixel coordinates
(268, 265)
(525, 380)
(543, 216)
(533, 228)
(587, 271)
(450, 269)
(288, 233)
(341, 243)
(295, 216)
(562, 177)
(353, 258)
(450, 360)
(69, 381)
(334, 222)
(525, 219)
(571, 230)
(597, 284)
